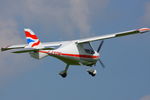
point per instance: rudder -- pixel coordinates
(32, 39)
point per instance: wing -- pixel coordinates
(137, 31)
(23, 48)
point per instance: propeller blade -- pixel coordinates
(102, 64)
(100, 46)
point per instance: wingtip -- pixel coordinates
(142, 30)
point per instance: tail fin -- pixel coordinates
(32, 39)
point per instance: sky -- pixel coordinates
(127, 59)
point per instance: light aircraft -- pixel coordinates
(74, 52)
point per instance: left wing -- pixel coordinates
(137, 31)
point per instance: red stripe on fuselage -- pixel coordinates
(71, 55)
(83, 56)
(30, 35)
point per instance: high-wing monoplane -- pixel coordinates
(73, 52)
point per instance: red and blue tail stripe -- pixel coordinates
(28, 34)
(32, 39)
(35, 44)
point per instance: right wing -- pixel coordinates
(137, 31)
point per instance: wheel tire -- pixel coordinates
(92, 72)
(63, 74)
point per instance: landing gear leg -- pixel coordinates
(64, 72)
(92, 72)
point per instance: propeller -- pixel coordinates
(100, 46)
(98, 50)
(102, 64)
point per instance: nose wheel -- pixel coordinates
(92, 72)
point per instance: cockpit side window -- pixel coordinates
(88, 48)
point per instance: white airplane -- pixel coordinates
(74, 52)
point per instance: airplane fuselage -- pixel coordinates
(73, 54)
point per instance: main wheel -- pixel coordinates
(63, 74)
(92, 72)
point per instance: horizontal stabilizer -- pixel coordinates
(12, 47)
(23, 47)
(31, 50)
